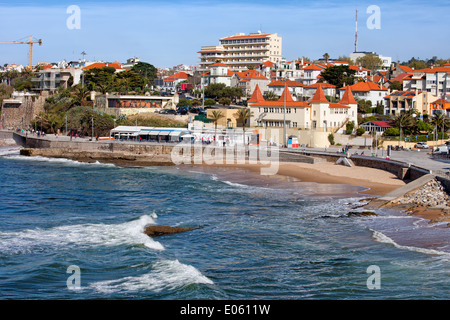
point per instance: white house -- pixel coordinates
(367, 90)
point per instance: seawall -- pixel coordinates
(160, 153)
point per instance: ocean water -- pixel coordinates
(255, 237)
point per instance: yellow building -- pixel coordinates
(228, 120)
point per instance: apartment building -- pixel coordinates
(242, 51)
(53, 78)
(401, 101)
(435, 80)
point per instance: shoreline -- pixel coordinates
(377, 181)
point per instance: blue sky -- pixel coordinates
(167, 33)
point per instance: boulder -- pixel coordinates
(361, 213)
(156, 231)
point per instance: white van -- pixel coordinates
(441, 150)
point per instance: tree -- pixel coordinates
(440, 122)
(242, 115)
(346, 59)
(370, 61)
(404, 122)
(271, 96)
(215, 90)
(396, 85)
(225, 101)
(417, 64)
(326, 56)
(80, 93)
(339, 75)
(129, 79)
(184, 103)
(147, 71)
(96, 76)
(216, 115)
(364, 106)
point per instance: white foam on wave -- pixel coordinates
(31, 240)
(56, 160)
(165, 275)
(9, 151)
(380, 237)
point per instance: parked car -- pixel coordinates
(167, 111)
(421, 145)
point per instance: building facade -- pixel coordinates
(242, 51)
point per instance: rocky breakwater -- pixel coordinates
(120, 155)
(431, 201)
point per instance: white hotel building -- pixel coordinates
(241, 51)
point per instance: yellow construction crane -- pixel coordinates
(30, 52)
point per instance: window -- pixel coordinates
(294, 124)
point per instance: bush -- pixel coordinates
(391, 132)
(331, 139)
(360, 131)
(349, 127)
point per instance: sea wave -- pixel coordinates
(16, 156)
(9, 151)
(165, 275)
(34, 240)
(382, 238)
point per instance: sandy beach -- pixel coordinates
(378, 181)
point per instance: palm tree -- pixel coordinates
(441, 123)
(405, 121)
(103, 87)
(271, 96)
(326, 56)
(243, 115)
(80, 93)
(216, 116)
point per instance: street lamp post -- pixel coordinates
(92, 128)
(284, 114)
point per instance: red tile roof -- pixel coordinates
(400, 77)
(176, 76)
(405, 68)
(432, 70)
(210, 51)
(102, 65)
(218, 64)
(312, 67)
(286, 96)
(250, 36)
(383, 124)
(357, 68)
(321, 84)
(348, 98)
(282, 83)
(319, 97)
(257, 95)
(268, 64)
(366, 86)
(281, 102)
(250, 74)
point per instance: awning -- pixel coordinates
(175, 133)
(153, 133)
